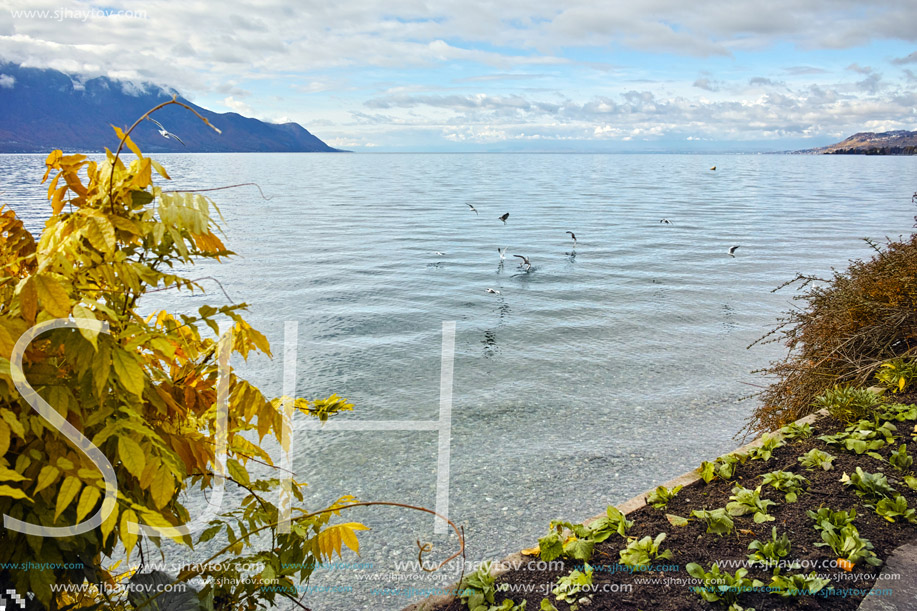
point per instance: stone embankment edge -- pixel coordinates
(439, 601)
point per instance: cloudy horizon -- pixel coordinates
(449, 76)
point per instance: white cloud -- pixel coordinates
(7, 81)
(237, 106)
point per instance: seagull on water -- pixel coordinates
(504, 217)
(573, 235)
(667, 222)
(494, 292)
(165, 133)
(502, 252)
(441, 254)
(732, 251)
(525, 262)
(473, 209)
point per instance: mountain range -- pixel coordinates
(898, 142)
(45, 110)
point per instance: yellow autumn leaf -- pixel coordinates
(128, 538)
(52, 295)
(88, 500)
(28, 298)
(100, 233)
(4, 437)
(8, 475)
(132, 456)
(13, 422)
(128, 371)
(108, 524)
(47, 476)
(66, 494)
(15, 493)
(91, 335)
(331, 539)
(531, 551)
(127, 140)
(163, 487)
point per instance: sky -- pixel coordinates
(505, 75)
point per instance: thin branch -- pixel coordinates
(114, 163)
(178, 286)
(241, 184)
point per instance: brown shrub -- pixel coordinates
(845, 329)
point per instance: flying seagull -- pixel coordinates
(504, 217)
(502, 252)
(573, 235)
(165, 133)
(492, 291)
(667, 222)
(475, 210)
(525, 261)
(732, 251)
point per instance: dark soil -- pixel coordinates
(691, 543)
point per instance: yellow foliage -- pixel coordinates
(144, 391)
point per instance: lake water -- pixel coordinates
(586, 380)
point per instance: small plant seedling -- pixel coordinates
(721, 586)
(865, 437)
(847, 403)
(897, 374)
(834, 519)
(896, 508)
(848, 544)
(577, 541)
(568, 540)
(900, 459)
(898, 412)
(718, 521)
(662, 496)
(784, 481)
(613, 522)
(643, 552)
(569, 586)
(870, 487)
(477, 589)
(797, 585)
(816, 459)
(723, 467)
(770, 553)
(547, 606)
(766, 449)
(796, 431)
(745, 501)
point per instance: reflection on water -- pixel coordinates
(611, 365)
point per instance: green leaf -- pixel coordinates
(580, 549)
(551, 546)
